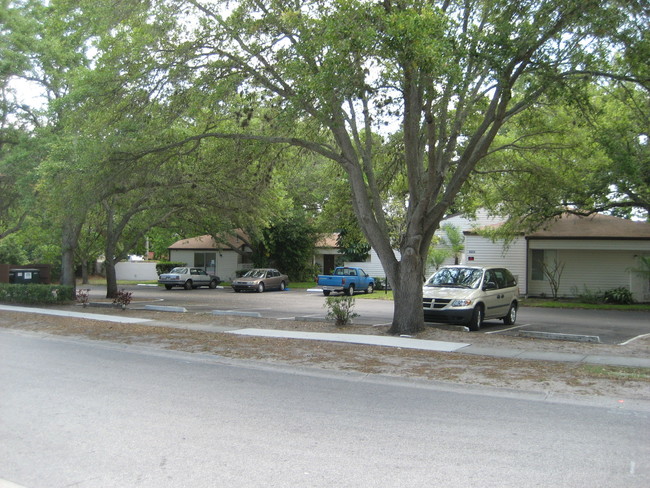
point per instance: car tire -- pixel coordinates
(283, 286)
(511, 318)
(370, 288)
(237, 290)
(188, 285)
(213, 284)
(169, 287)
(326, 293)
(260, 288)
(477, 319)
(350, 291)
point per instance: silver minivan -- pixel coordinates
(467, 295)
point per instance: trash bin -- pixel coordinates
(24, 276)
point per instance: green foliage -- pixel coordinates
(589, 296)
(620, 296)
(35, 294)
(154, 116)
(289, 246)
(163, 267)
(616, 296)
(352, 246)
(11, 251)
(340, 309)
(437, 256)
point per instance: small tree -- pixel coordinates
(454, 240)
(553, 274)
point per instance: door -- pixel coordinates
(328, 263)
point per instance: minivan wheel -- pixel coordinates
(477, 319)
(512, 315)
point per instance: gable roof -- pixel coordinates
(328, 241)
(208, 242)
(595, 226)
(205, 242)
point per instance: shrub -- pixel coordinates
(381, 283)
(620, 296)
(339, 309)
(34, 294)
(589, 296)
(123, 298)
(83, 296)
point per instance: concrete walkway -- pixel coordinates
(387, 341)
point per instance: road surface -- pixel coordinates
(77, 413)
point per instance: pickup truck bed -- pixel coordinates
(346, 280)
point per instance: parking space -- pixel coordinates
(609, 326)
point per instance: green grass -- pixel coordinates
(641, 374)
(545, 303)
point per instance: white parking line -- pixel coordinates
(634, 339)
(9, 484)
(506, 330)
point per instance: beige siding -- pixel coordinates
(227, 261)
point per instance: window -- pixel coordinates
(538, 265)
(206, 260)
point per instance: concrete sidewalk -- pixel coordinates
(386, 341)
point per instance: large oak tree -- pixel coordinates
(447, 75)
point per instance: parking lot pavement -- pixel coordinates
(609, 326)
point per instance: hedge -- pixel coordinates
(35, 294)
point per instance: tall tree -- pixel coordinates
(585, 155)
(449, 74)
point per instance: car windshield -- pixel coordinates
(456, 277)
(179, 270)
(256, 273)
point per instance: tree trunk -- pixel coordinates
(70, 236)
(111, 279)
(84, 272)
(408, 317)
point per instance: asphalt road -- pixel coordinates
(612, 327)
(91, 414)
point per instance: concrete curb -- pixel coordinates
(162, 308)
(559, 337)
(236, 312)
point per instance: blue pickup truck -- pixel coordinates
(346, 280)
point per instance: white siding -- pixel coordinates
(481, 251)
(136, 270)
(483, 219)
(586, 269)
(372, 266)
